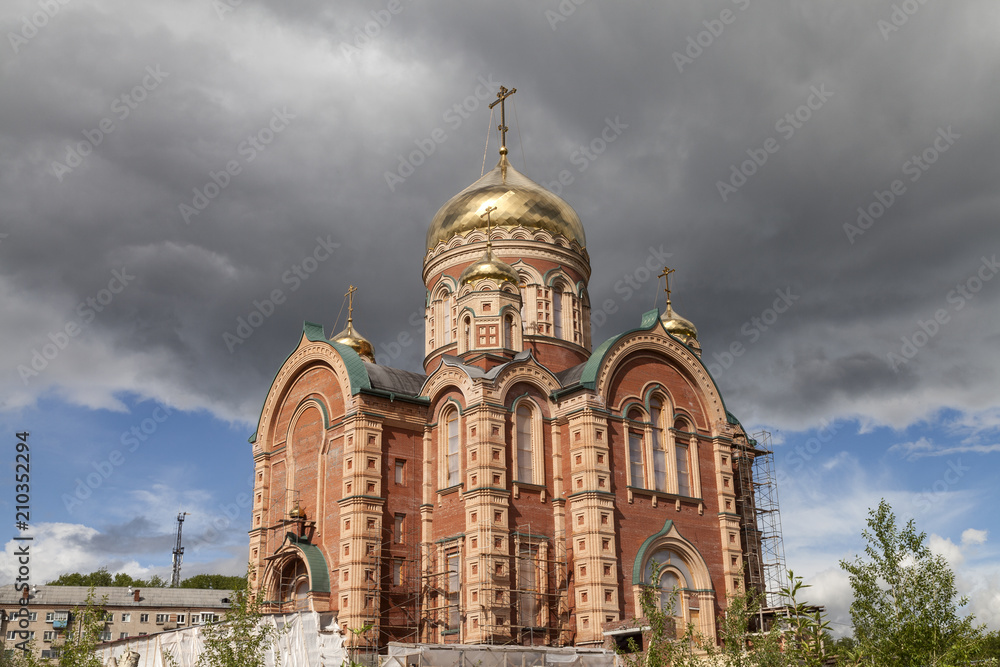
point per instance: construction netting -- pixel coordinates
(303, 640)
(472, 655)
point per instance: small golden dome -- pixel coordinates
(488, 267)
(675, 324)
(355, 341)
(519, 201)
(297, 513)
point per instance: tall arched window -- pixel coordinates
(525, 449)
(451, 428)
(635, 445)
(557, 309)
(508, 332)
(468, 334)
(446, 305)
(675, 582)
(659, 445)
(683, 458)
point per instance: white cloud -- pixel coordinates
(972, 536)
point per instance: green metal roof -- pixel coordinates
(319, 573)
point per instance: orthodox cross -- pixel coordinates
(501, 96)
(666, 279)
(489, 226)
(350, 303)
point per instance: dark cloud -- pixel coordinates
(354, 107)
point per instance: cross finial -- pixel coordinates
(501, 96)
(666, 279)
(350, 303)
(489, 226)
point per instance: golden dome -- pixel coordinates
(488, 267)
(675, 324)
(519, 201)
(355, 341)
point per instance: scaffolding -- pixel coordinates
(513, 590)
(760, 520)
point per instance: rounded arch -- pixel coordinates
(669, 540)
(528, 371)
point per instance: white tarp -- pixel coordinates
(469, 655)
(301, 643)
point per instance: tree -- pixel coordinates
(240, 640)
(662, 648)
(219, 582)
(906, 608)
(88, 625)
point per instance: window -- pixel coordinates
(400, 468)
(49, 616)
(48, 635)
(525, 472)
(180, 618)
(106, 636)
(659, 444)
(468, 334)
(508, 332)
(144, 618)
(454, 587)
(397, 572)
(451, 422)
(446, 305)
(557, 297)
(635, 458)
(162, 618)
(527, 578)
(683, 471)
(122, 635)
(126, 618)
(397, 529)
(11, 635)
(32, 616)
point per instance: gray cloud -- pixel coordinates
(324, 176)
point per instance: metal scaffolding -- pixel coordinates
(760, 520)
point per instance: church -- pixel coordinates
(519, 489)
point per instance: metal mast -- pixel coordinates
(175, 578)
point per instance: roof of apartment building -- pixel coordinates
(75, 596)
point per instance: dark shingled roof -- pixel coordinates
(571, 376)
(394, 380)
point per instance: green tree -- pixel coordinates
(661, 647)
(240, 640)
(906, 608)
(219, 582)
(87, 626)
(807, 639)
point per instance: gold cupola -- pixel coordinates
(674, 324)
(518, 202)
(488, 267)
(352, 338)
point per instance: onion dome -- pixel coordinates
(488, 267)
(678, 326)
(355, 341)
(518, 201)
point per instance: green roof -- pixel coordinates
(319, 573)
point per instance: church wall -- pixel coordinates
(318, 382)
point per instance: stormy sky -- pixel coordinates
(182, 183)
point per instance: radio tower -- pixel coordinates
(175, 578)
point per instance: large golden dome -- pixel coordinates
(679, 326)
(519, 201)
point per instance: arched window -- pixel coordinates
(525, 448)
(294, 584)
(635, 447)
(468, 334)
(451, 429)
(557, 310)
(446, 305)
(683, 458)
(675, 581)
(659, 445)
